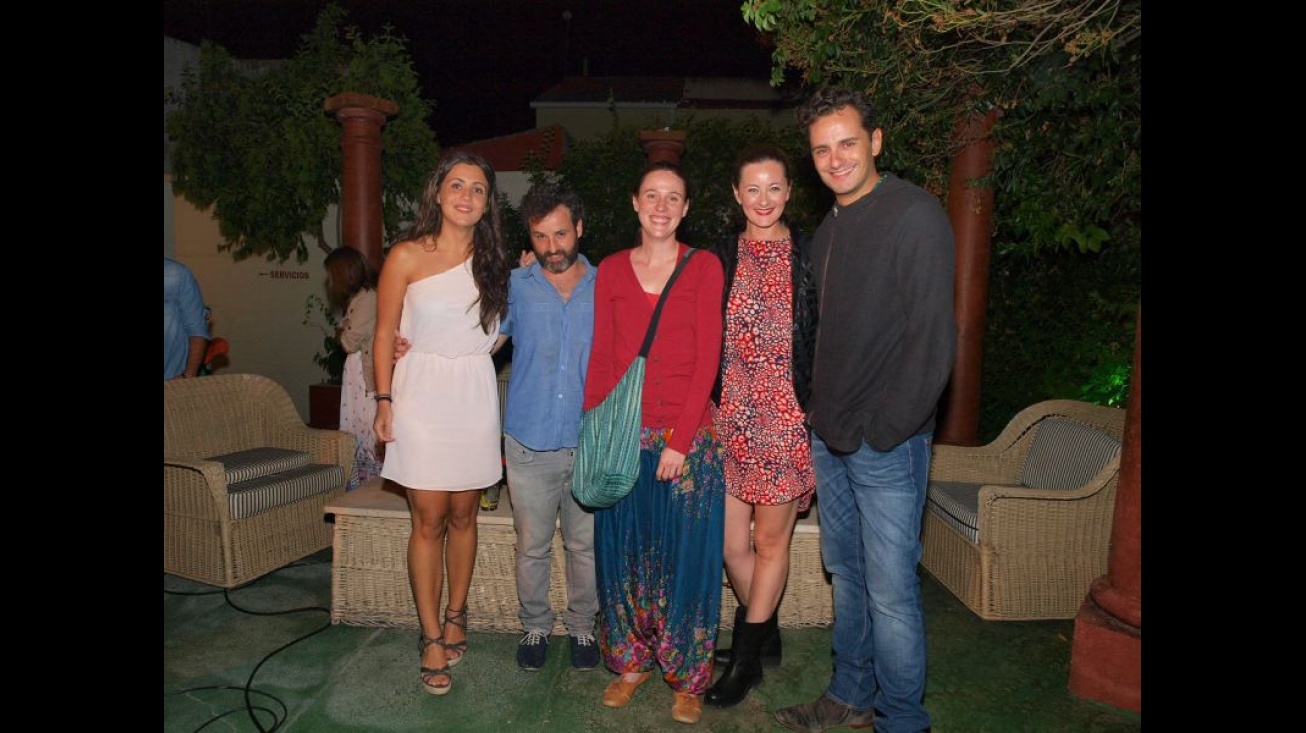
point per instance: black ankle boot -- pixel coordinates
(771, 651)
(745, 669)
(723, 656)
(771, 644)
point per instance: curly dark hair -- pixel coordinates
(544, 197)
(490, 266)
(829, 101)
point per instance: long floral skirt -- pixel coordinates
(658, 562)
(357, 413)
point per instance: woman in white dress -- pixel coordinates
(444, 286)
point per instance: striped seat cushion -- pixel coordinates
(247, 465)
(957, 504)
(1066, 454)
(249, 498)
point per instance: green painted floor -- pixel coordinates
(265, 658)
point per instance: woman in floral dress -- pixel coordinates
(770, 322)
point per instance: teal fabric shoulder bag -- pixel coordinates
(607, 457)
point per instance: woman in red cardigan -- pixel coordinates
(658, 550)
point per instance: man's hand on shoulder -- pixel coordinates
(402, 345)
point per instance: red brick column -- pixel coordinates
(361, 118)
(1106, 660)
(970, 209)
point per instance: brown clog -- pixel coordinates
(688, 708)
(620, 692)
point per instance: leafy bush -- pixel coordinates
(331, 359)
(259, 149)
(603, 172)
(1057, 322)
(1061, 319)
(1109, 385)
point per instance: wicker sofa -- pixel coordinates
(369, 576)
(244, 479)
(1019, 528)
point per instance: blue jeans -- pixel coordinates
(870, 507)
(539, 489)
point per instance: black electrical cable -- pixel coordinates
(248, 690)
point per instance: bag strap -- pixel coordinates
(657, 311)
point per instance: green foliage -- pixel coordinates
(331, 359)
(1065, 77)
(1066, 82)
(860, 43)
(604, 170)
(1108, 386)
(260, 149)
(1056, 323)
(515, 238)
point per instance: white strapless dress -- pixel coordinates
(447, 435)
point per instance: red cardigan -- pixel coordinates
(682, 365)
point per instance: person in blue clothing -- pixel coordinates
(185, 328)
(550, 320)
(551, 323)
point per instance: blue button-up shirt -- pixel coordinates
(183, 316)
(550, 354)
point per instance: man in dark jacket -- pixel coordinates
(884, 258)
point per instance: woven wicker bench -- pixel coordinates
(1019, 528)
(369, 579)
(244, 479)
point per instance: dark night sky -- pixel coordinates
(482, 61)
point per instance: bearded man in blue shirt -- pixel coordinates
(551, 323)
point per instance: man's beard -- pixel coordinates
(561, 264)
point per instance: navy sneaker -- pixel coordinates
(532, 650)
(584, 652)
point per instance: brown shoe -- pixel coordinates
(620, 691)
(688, 708)
(822, 715)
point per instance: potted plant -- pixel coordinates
(324, 397)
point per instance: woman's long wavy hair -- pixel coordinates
(490, 266)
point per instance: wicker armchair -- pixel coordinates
(1019, 528)
(244, 480)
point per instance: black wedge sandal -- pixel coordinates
(459, 619)
(430, 674)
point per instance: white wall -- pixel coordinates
(258, 306)
(514, 185)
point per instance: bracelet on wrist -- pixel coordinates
(384, 397)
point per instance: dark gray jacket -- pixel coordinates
(885, 276)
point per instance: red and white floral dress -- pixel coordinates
(759, 424)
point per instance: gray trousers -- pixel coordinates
(539, 489)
